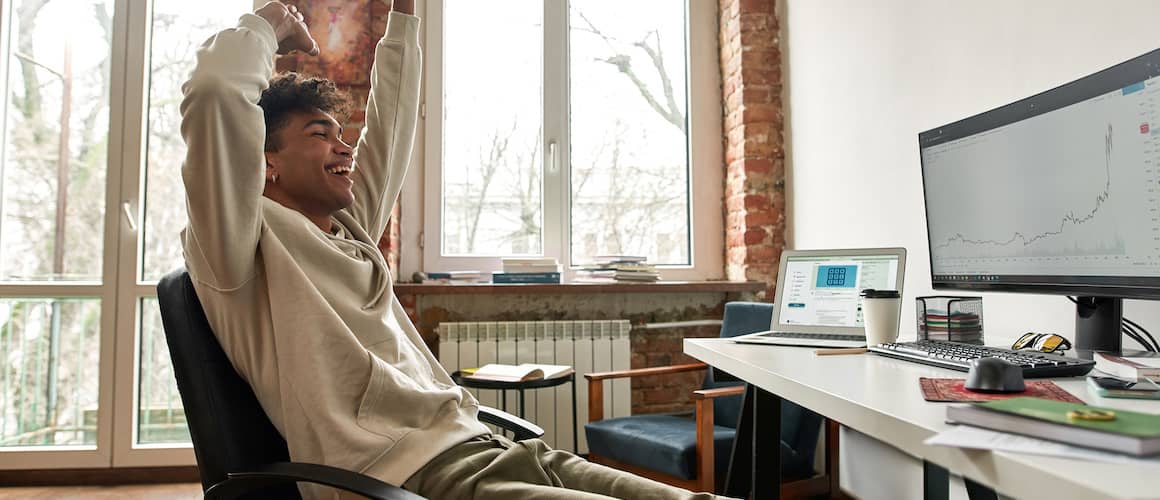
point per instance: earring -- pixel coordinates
(274, 179)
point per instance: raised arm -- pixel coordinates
(384, 148)
(224, 133)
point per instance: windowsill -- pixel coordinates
(568, 288)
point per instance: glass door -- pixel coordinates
(56, 251)
(150, 427)
(91, 204)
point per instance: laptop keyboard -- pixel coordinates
(821, 336)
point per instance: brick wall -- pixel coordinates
(371, 19)
(754, 160)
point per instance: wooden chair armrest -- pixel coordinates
(659, 370)
(596, 383)
(718, 392)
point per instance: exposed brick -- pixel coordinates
(762, 113)
(661, 395)
(761, 221)
(755, 236)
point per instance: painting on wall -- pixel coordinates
(342, 30)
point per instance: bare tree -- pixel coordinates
(650, 44)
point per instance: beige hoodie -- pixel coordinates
(309, 319)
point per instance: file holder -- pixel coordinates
(957, 319)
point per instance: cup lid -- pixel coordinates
(871, 293)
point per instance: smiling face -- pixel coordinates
(310, 169)
(307, 164)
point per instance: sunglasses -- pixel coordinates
(1042, 342)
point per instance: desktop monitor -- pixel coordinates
(1057, 193)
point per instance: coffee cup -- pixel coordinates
(880, 309)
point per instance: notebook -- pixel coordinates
(817, 303)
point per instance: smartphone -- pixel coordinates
(1120, 388)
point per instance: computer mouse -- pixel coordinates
(994, 375)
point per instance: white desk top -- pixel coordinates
(880, 397)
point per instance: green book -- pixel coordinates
(1129, 432)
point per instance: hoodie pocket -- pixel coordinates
(394, 404)
(374, 409)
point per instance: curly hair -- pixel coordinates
(291, 92)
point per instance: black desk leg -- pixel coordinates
(976, 491)
(737, 476)
(755, 462)
(521, 403)
(936, 485)
(766, 446)
(935, 482)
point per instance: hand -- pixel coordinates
(403, 6)
(289, 28)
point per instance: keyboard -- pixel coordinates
(958, 356)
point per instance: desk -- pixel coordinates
(503, 387)
(880, 397)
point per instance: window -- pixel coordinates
(573, 129)
(90, 208)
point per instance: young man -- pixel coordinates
(283, 222)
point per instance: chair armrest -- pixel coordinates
(659, 370)
(719, 392)
(596, 383)
(522, 428)
(240, 483)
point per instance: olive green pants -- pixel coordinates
(494, 467)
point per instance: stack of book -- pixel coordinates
(1108, 429)
(1130, 365)
(452, 277)
(528, 270)
(611, 268)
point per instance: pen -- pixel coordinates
(832, 352)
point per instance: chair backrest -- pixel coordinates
(799, 427)
(740, 318)
(230, 431)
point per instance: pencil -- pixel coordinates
(846, 350)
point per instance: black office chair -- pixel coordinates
(239, 452)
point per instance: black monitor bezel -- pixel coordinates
(1116, 77)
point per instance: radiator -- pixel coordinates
(588, 346)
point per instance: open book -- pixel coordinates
(516, 373)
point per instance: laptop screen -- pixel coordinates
(824, 290)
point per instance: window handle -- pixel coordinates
(129, 218)
(553, 165)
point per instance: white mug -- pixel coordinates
(880, 309)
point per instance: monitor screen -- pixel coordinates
(1055, 193)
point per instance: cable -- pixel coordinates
(1131, 333)
(1141, 330)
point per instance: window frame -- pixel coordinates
(421, 234)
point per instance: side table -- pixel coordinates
(503, 387)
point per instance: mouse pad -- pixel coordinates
(951, 390)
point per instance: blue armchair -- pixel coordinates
(694, 453)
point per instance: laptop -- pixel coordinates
(817, 301)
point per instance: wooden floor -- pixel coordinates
(182, 491)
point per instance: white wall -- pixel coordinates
(863, 78)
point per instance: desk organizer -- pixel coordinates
(958, 319)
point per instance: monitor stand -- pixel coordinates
(1097, 323)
